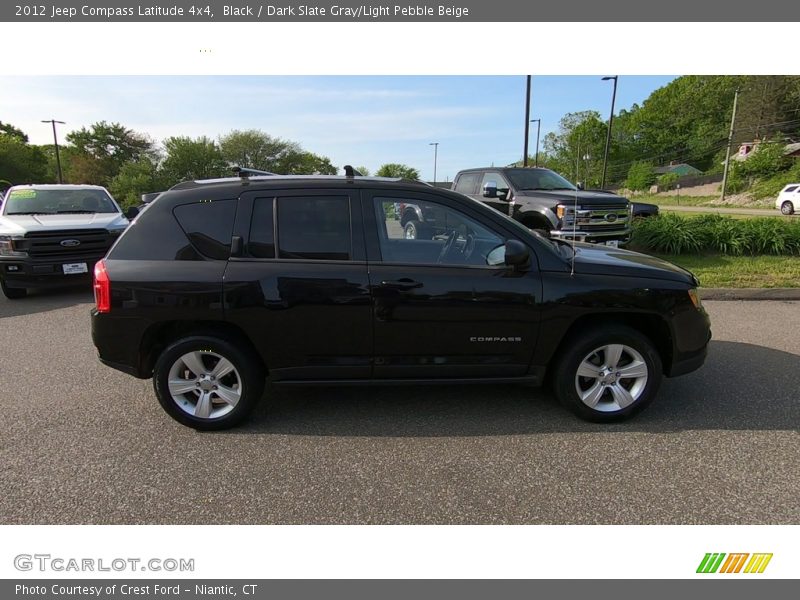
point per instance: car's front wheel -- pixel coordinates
(608, 373)
(12, 293)
(207, 383)
(787, 208)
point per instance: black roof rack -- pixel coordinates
(245, 172)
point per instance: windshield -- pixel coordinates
(32, 201)
(537, 179)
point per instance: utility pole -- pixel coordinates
(435, 159)
(55, 141)
(527, 119)
(730, 143)
(608, 134)
(538, 130)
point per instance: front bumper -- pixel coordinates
(622, 236)
(687, 364)
(26, 273)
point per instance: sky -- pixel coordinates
(361, 121)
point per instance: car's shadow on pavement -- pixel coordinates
(39, 301)
(741, 387)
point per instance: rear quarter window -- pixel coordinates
(209, 226)
(189, 232)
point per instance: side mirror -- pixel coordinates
(579, 185)
(517, 254)
(131, 213)
(490, 189)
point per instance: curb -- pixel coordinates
(750, 293)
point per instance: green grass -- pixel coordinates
(741, 271)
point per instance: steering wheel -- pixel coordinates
(448, 246)
(469, 247)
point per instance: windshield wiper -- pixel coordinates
(75, 212)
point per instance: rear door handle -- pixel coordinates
(401, 284)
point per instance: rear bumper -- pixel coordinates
(119, 341)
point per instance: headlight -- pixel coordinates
(7, 246)
(116, 230)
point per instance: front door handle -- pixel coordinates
(401, 284)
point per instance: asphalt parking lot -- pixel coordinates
(82, 443)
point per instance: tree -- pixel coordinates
(576, 150)
(135, 179)
(9, 130)
(21, 162)
(188, 159)
(640, 176)
(254, 149)
(306, 163)
(96, 154)
(397, 170)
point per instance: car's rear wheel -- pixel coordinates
(13, 293)
(787, 208)
(207, 383)
(608, 373)
(414, 230)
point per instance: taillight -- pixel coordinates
(102, 288)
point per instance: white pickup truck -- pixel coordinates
(51, 235)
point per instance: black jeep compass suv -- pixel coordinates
(221, 283)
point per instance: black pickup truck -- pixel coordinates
(542, 200)
(312, 280)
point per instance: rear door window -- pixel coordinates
(314, 227)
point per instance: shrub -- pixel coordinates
(767, 159)
(667, 233)
(770, 187)
(668, 179)
(640, 176)
(671, 234)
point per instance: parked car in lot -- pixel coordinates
(53, 235)
(643, 209)
(788, 200)
(311, 280)
(546, 202)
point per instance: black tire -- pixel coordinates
(414, 230)
(787, 208)
(537, 226)
(249, 375)
(13, 293)
(580, 347)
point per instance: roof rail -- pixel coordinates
(245, 172)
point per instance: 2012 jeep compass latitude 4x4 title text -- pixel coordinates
(221, 283)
